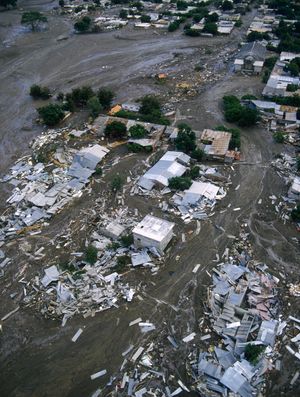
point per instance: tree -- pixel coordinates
(83, 25)
(248, 117)
(295, 214)
(91, 254)
(210, 27)
(115, 129)
(37, 91)
(33, 19)
(51, 114)
(137, 131)
(214, 17)
(8, 3)
(149, 105)
(180, 183)
(61, 3)
(227, 5)
(186, 139)
(253, 352)
(116, 183)
(293, 68)
(105, 97)
(197, 154)
(123, 14)
(145, 18)
(278, 137)
(81, 95)
(94, 106)
(194, 172)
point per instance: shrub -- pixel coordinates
(149, 105)
(198, 154)
(180, 183)
(295, 214)
(105, 97)
(116, 129)
(126, 240)
(278, 137)
(116, 183)
(122, 262)
(186, 139)
(292, 87)
(94, 106)
(91, 254)
(174, 26)
(194, 172)
(210, 27)
(253, 352)
(37, 91)
(51, 114)
(83, 25)
(145, 18)
(137, 131)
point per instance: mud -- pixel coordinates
(38, 357)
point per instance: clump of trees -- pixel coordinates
(115, 130)
(237, 113)
(83, 25)
(51, 114)
(86, 96)
(180, 183)
(8, 3)
(186, 139)
(294, 67)
(33, 19)
(257, 36)
(39, 92)
(137, 131)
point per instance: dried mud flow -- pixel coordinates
(37, 357)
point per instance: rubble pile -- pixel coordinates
(245, 325)
(286, 168)
(42, 189)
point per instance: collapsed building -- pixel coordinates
(251, 58)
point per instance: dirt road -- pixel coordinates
(38, 357)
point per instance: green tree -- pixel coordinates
(295, 214)
(278, 137)
(105, 97)
(8, 3)
(145, 18)
(94, 106)
(61, 3)
(180, 183)
(33, 19)
(116, 183)
(115, 129)
(91, 254)
(227, 5)
(51, 114)
(210, 27)
(214, 17)
(137, 131)
(149, 105)
(198, 154)
(83, 25)
(37, 91)
(81, 95)
(186, 139)
(123, 14)
(248, 117)
(293, 68)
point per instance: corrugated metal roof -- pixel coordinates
(219, 141)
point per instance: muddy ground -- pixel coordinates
(37, 355)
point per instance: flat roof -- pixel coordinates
(153, 228)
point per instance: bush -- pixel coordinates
(194, 172)
(292, 87)
(83, 25)
(149, 105)
(197, 154)
(123, 14)
(116, 183)
(94, 106)
(91, 254)
(105, 97)
(186, 139)
(295, 214)
(126, 240)
(191, 32)
(249, 97)
(145, 18)
(174, 26)
(180, 183)
(137, 131)
(278, 137)
(51, 114)
(227, 5)
(270, 62)
(116, 129)
(122, 262)
(210, 27)
(253, 352)
(37, 92)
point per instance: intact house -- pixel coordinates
(277, 115)
(153, 232)
(251, 58)
(170, 165)
(215, 144)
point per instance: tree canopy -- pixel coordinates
(51, 114)
(116, 129)
(33, 19)
(186, 139)
(8, 3)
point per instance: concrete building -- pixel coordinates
(251, 58)
(153, 232)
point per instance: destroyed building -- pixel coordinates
(216, 144)
(251, 58)
(153, 232)
(171, 164)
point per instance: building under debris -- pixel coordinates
(251, 58)
(153, 232)
(171, 164)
